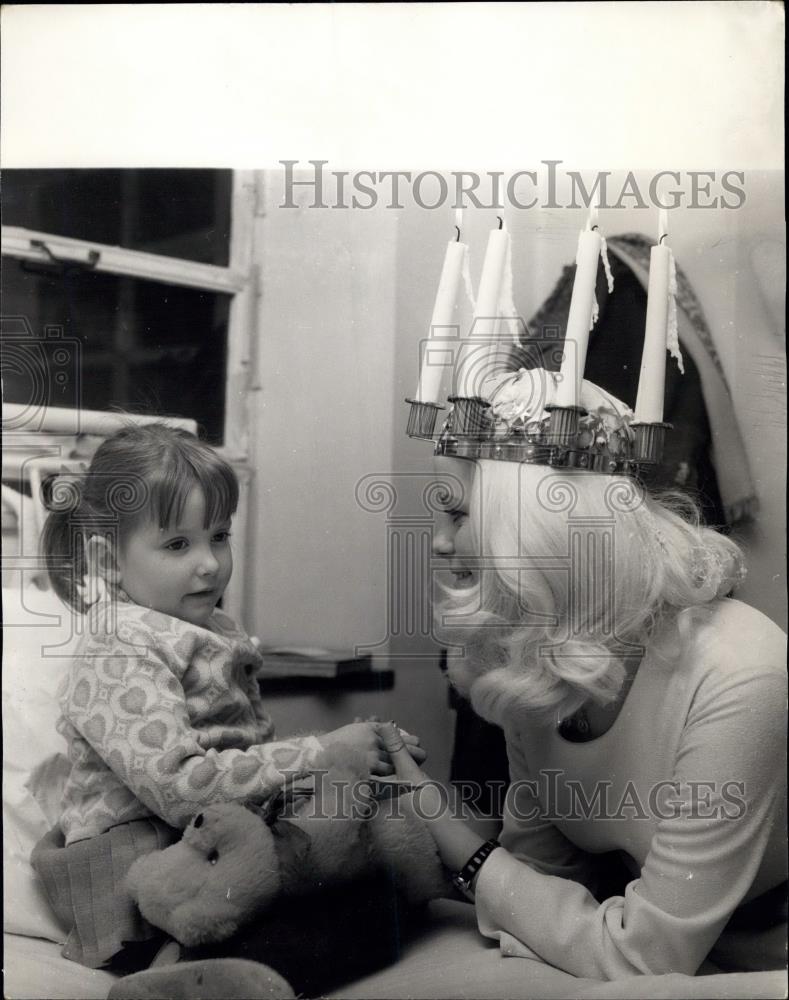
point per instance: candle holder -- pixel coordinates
(469, 416)
(422, 419)
(563, 425)
(649, 442)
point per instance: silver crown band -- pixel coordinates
(570, 438)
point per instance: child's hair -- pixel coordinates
(581, 568)
(141, 473)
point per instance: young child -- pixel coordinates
(161, 708)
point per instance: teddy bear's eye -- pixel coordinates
(213, 857)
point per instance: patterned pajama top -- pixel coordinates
(162, 718)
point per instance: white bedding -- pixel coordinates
(451, 960)
(33, 967)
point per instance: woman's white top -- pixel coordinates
(689, 782)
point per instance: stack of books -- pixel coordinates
(310, 661)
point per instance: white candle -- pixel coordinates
(579, 320)
(429, 387)
(662, 225)
(652, 379)
(478, 355)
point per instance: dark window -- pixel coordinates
(177, 213)
(143, 346)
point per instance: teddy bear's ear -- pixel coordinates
(132, 880)
(135, 876)
(287, 800)
(261, 811)
(293, 845)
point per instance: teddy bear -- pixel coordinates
(323, 829)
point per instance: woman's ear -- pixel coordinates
(100, 560)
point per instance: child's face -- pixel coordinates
(181, 570)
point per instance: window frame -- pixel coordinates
(238, 280)
(20, 242)
(235, 280)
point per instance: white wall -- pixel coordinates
(322, 420)
(327, 413)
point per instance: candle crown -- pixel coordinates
(515, 418)
(529, 416)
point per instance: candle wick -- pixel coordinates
(595, 227)
(501, 221)
(457, 230)
(662, 238)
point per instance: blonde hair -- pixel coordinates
(577, 570)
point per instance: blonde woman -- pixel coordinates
(644, 713)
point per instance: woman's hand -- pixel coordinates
(405, 753)
(364, 737)
(411, 742)
(438, 806)
(433, 798)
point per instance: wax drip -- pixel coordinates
(507, 311)
(672, 333)
(609, 276)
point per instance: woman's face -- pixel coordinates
(453, 539)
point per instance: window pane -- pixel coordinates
(100, 340)
(176, 213)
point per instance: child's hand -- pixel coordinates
(362, 736)
(402, 754)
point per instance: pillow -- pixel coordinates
(39, 633)
(20, 537)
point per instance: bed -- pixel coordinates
(450, 959)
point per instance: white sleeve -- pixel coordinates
(703, 859)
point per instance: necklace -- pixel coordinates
(575, 727)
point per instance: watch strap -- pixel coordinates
(462, 880)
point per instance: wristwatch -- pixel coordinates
(462, 880)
